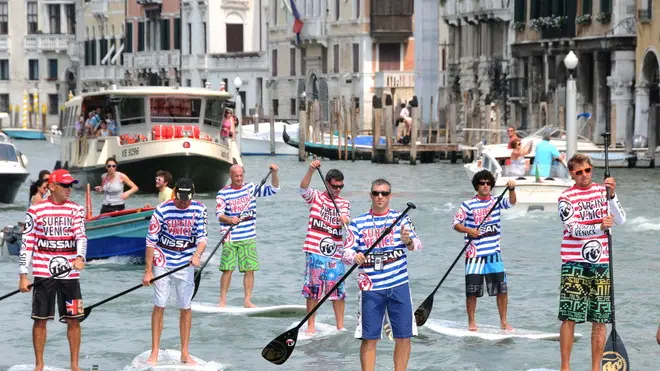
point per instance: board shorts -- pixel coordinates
(184, 284)
(244, 251)
(584, 293)
(488, 267)
(397, 301)
(321, 274)
(67, 293)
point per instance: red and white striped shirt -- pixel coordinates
(53, 236)
(324, 230)
(582, 211)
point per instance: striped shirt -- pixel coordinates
(582, 212)
(233, 202)
(324, 229)
(471, 213)
(53, 236)
(175, 233)
(387, 264)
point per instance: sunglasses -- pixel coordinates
(65, 185)
(337, 186)
(583, 171)
(484, 183)
(159, 179)
(110, 166)
(381, 193)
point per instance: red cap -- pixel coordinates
(61, 176)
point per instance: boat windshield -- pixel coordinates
(181, 110)
(7, 153)
(213, 113)
(555, 133)
(524, 168)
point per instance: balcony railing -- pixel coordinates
(152, 59)
(112, 73)
(517, 88)
(567, 30)
(99, 8)
(394, 79)
(48, 42)
(315, 29)
(644, 15)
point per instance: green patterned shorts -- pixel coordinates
(244, 251)
(585, 293)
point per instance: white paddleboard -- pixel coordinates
(271, 311)
(321, 331)
(487, 332)
(170, 360)
(31, 368)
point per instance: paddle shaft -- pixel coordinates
(606, 136)
(348, 273)
(35, 284)
(254, 194)
(328, 190)
(458, 257)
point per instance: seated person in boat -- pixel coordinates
(103, 130)
(112, 124)
(228, 126)
(517, 164)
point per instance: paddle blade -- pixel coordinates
(615, 357)
(424, 311)
(88, 311)
(280, 348)
(198, 279)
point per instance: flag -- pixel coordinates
(74, 307)
(297, 23)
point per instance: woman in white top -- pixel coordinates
(112, 187)
(103, 130)
(518, 166)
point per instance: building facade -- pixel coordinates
(35, 37)
(603, 35)
(350, 48)
(479, 68)
(225, 41)
(102, 40)
(647, 72)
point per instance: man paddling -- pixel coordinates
(584, 291)
(382, 277)
(323, 244)
(482, 257)
(177, 236)
(55, 244)
(236, 206)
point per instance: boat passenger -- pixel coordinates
(103, 130)
(38, 191)
(517, 165)
(112, 186)
(163, 181)
(228, 128)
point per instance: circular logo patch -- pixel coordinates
(57, 265)
(565, 210)
(154, 226)
(613, 361)
(591, 251)
(159, 258)
(364, 282)
(327, 246)
(29, 223)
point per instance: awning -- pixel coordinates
(107, 56)
(114, 59)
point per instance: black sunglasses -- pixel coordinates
(583, 171)
(484, 183)
(382, 193)
(65, 185)
(110, 165)
(337, 186)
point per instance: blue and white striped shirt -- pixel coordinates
(233, 202)
(387, 264)
(471, 213)
(175, 233)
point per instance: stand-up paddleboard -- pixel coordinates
(31, 368)
(321, 331)
(271, 311)
(170, 360)
(487, 332)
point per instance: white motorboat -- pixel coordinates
(158, 128)
(532, 192)
(13, 170)
(257, 142)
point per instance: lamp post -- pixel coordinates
(571, 61)
(239, 111)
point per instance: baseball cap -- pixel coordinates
(61, 176)
(184, 189)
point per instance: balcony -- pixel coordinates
(567, 30)
(483, 10)
(48, 42)
(394, 79)
(4, 42)
(644, 15)
(517, 88)
(99, 8)
(75, 50)
(314, 31)
(103, 73)
(152, 59)
(391, 20)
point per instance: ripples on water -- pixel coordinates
(119, 330)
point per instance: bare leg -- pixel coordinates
(39, 342)
(401, 354)
(502, 307)
(73, 334)
(184, 329)
(597, 344)
(368, 355)
(339, 306)
(248, 284)
(225, 281)
(566, 343)
(471, 304)
(311, 323)
(156, 330)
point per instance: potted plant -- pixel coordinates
(519, 26)
(604, 17)
(583, 19)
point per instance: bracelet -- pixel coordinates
(512, 189)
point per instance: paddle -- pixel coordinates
(615, 356)
(35, 284)
(424, 310)
(328, 190)
(198, 272)
(280, 348)
(88, 310)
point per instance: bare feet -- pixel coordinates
(310, 330)
(187, 359)
(248, 304)
(506, 326)
(472, 326)
(38, 367)
(223, 303)
(75, 367)
(153, 358)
